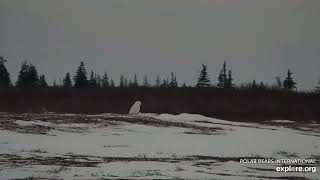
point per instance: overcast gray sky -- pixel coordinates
(260, 38)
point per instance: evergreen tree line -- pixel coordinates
(226, 81)
(28, 77)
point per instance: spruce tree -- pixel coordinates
(158, 81)
(130, 83)
(223, 78)
(135, 81)
(173, 81)
(92, 81)
(98, 80)
(229, 80)
(81, 79)
(67, 83)
(262, 86)
(22, 77)
(254, 84)
(203, 79)
(105, 80)
(126, 82)
(112, 85)
(43, 82)
(4, 74)
(164, 83)
(121, 82)
(34, 77)
(28, 76)
(289, 84)
(220, 80)
(145, 81)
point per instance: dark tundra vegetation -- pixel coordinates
(94, 93)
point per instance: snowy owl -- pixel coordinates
(135, 109)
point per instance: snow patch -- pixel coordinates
(32, 123)
(282, 121)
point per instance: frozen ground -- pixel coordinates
(149, 146)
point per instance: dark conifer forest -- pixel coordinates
(90, 92)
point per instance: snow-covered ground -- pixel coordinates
(165, 146)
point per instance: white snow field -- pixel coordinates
(150, 146)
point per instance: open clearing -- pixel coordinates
(149, 146)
